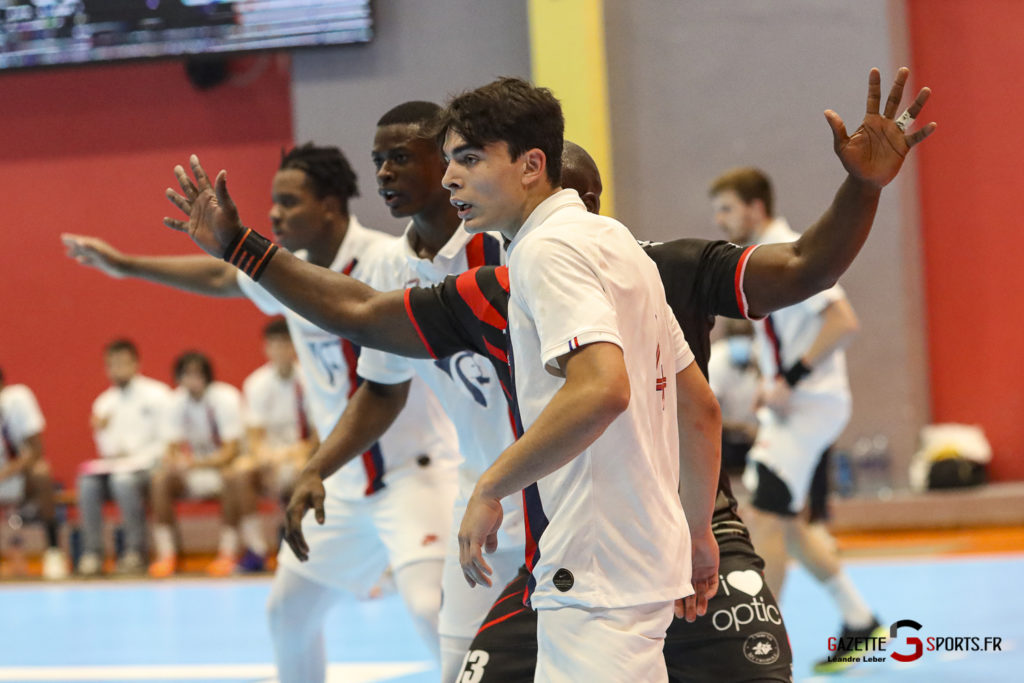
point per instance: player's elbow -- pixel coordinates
(608, 399)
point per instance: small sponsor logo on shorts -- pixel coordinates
(761, 648)
(563, 579)
(430, 538)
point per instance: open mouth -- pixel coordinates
(391, 197)
(463, 207)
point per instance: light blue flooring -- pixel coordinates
(215, 630)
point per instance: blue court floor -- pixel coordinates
(197, 630)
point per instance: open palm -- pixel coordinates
(213, 221)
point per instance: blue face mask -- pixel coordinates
(739, 350)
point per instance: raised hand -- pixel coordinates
(212, 216)
(876, 150)
(95, 253)
(309, 493)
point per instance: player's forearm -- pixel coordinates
(700, 448)
(839, 327)
(224, 455)
(573, 420)
(369, 413)
(343, 305)
(780, 275)
(198, 274)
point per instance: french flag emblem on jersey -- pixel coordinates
(574, 343)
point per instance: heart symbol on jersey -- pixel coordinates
(748, 581)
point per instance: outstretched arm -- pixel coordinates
(197, 274)
(332, 301)
(781, 275)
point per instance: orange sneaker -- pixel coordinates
(161, 569)
(222, 566)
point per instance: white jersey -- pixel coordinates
(328, 365)
(785, 335)
(466, 383)
(205, 425)
(735, 386)
(277, 405)
(20, 419)
(134, 418)
(608, 526)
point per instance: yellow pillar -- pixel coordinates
(567, 53)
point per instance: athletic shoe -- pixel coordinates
(90, 564)
(251, 562)
(222, 566)
(55, 564)
(131, 563)
(161, 569)
(854, 644)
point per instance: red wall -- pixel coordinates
(971, 178)
(90, 150)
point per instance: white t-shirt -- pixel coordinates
(277, 405)
(328, 365)
(207, 424)
(466, 383)
(135, 419)
(794, 329)
(735, 386)
(20, 419)
(611, 517)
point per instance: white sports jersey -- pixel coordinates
(20, 419)
(466, 383)
(608, 527)
(785, 335)
(735, 386)
(207, 424)
(328, 365)
(277, 405)
(135, 417)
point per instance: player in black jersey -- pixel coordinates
(701, 278)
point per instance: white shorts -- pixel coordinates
(12, 490)
(463, 608)
(405, 522)
(600, 645)
(203, 482)
(791, 446)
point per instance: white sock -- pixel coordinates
(252, 534)
(228, 542)
(163, 539)
(856, 613)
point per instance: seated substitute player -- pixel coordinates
(204, 431)
(24, 476)
(804, 404)
(700, 278)
(371, 524)
(128, 421)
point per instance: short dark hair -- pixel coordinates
(276, 328)
(122, 344)
(749, 183)
(415, 112)
(193, 358)
(329, 172)
(512, 111)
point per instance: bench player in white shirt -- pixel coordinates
(804, 404)
(601, 371)
(129, 428)
(204, 435)
(24, 475)
(369, 527)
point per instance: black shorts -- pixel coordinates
(741, 638)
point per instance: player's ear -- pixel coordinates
(535, 164)
(592, 202)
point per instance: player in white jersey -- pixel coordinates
(601, 373)
(734, 379)
(804, 406)
(392, 506)
(24, 475)
(204, 431)
(409, 169)
(128, 421)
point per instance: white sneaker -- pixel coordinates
(90, 564)
(55, 564)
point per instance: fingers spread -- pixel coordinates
(896, 93)
(874, 91)
(839, 136)
(921, 134)
(201, 178)
(915, 107)
(175, 224)
(184, 204)
(187, 186)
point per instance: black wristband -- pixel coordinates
(796, 373)
(250, 252)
